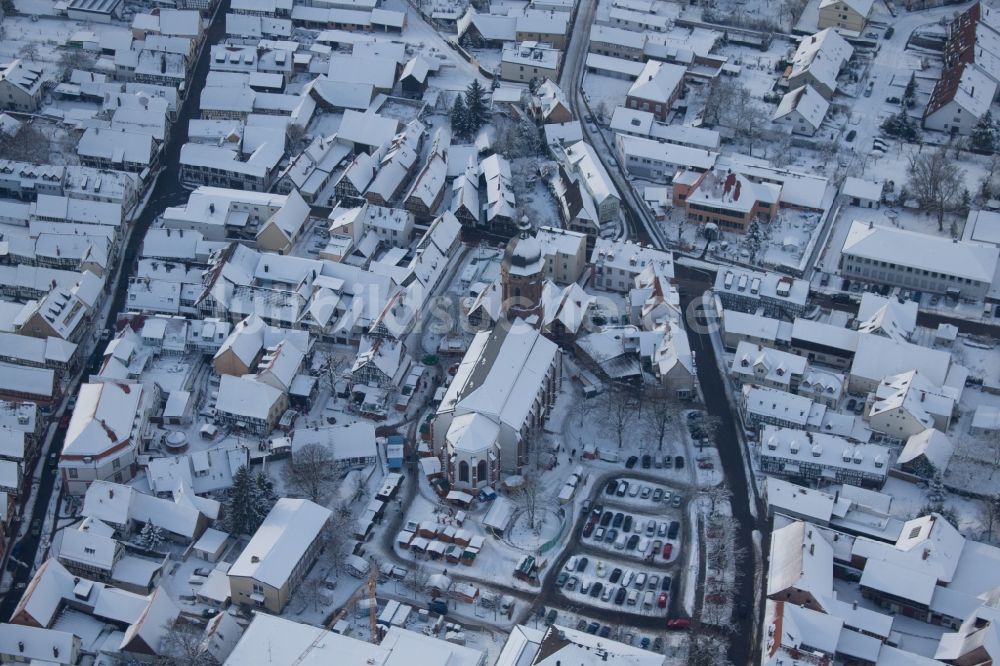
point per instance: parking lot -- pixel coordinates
(628, 550)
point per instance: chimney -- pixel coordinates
(854, 605)
(254, 559)
(926, 553)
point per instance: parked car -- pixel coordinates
(605, 631)
(679, 462)
(620, 596)
(653, 582)
(572, 583)
(627, 524)
(630, 463)
(668, 548)
(599, 569)
(619, 518)
(645, 492)
(715, 598)
(704, 464)
(661, 529)
(615, 576)
(595, 589)
(581, 564)
(673, 530)
(658, 644)
(611, 536)
(662, 600)
(561, 579)
(622, 489)
(658, 462)
(633, 541)
(658, 495)
(607, 593)
(606, 519)
(676, 501)
(633, 490)
(678, 623)
(665, 583)
(551, 616)
(611, 487)
(640, 581)
(586, 507)
(647, 461)
(599, 534)
(585, 586)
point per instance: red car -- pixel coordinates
(678, 623)
(662, 601)
(706, 465)
(667, 549)
(588, 528)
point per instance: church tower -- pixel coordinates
(522, 275)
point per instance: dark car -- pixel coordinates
(673, 530)
(615, 576)
(596, 588)
(620, 596)
(581, 564)
(604, 632)
(647, 461)
(611, 487)
(632, 460)
(606, 519)
(658, 495)
(658, 644)
(665, 584)
(438, 606)
(627, 524)
(611, 536)
(593, 627)
(581, 625)
(889, 32)
(619, 517)
(588, 529)
(644, 643)
(851, 404)
(633, 541)
(561, 579)
(551, 616)
(679, 462)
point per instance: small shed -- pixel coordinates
(211, 545)
(862, 193)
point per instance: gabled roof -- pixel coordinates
(809, 103)
(967, 86)
(658, 81)
(277, 547)
(103, 419)
(933, 444)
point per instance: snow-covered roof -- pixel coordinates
(108, 502)
(585, 162)
(932, 253)
(501, 375)
(246, 396)
(932, 444)
(809, 103)
(862, 7)
(966, 85)
(88, 549)
(146, 635)
(821, 55)
(801, 559)
(378, 71)
(36, 645)
(865, 190)
(345, 442)
(105, 416)
(280, 543)
(658, 81)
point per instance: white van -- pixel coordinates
(647, 601)
(633, 597)
(640, 580)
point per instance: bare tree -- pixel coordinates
(417, 578)
(527, 497)
(706, 650)
(991, 508)
(333, 366)
(936, 181)
(29, 144)
(310, 472)
(661, 405)
(71, 59)
(721, 92)
(747, 116)
(620, 410)
(336, 539)
(311, 594)
(718, 495)
(184, 645)
(710, 427)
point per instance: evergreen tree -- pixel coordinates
(476, 106)
(151, 536)
(901, 126)
(984, 135)
(911, 90)
(460, 117)
(247, 501)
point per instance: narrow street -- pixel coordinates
(167, 192)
